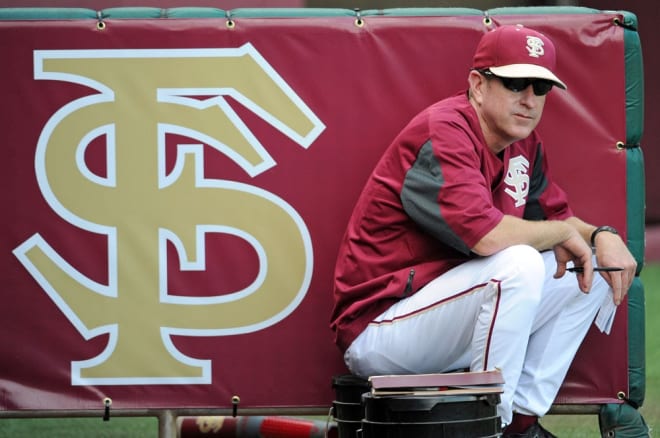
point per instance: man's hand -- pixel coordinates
(575, 249)
(611, 251)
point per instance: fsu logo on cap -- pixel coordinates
(535, 46)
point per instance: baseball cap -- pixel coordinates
(517, 52)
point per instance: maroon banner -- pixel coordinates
(175, 191)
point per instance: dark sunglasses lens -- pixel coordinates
(541, 87)
(515, 84)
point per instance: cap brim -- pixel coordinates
(527, 71)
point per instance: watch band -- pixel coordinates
(598, 230)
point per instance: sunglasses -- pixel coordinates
(541, 87)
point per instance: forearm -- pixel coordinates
(541, 235)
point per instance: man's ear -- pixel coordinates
(477, 82)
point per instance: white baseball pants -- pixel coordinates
(505, 311)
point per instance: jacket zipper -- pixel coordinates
(409, 284)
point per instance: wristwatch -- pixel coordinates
(598, 230)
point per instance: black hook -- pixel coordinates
(107, 402)
(235, 400)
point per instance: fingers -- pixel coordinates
(584, 274)
(561, 270)
(620, 282)
(586, 277)
(616, 282)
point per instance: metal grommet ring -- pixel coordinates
(621, 395)
(100, 24)
(359, 22)
(620, 145)
(230, 23)
(487, 21)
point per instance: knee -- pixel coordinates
(526, 260)
(524, 270)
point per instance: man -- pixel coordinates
(457, 252)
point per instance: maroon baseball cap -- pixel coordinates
(517, 52)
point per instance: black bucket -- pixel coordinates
(437, 416)
(347, 407)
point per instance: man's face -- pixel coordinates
(505, 115)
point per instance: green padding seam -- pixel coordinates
(542, 10)
(290, 12)
(636, 312)
(194, 12)
(46, 13)
(635, 204)
(634, 79)
(422, 12)
(132, 12)
(636, 344)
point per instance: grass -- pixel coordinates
(573, 426)
(126, 427)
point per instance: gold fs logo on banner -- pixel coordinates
(140, 208)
